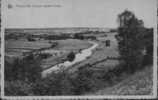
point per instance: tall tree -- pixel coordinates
(130, 40)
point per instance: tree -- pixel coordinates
(71, 56)
(23, 69)
(130, 40)
(30, 38)
(78, 36)
(55, 84)
(84, 81)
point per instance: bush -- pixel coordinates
(71, 56)
(54, 44)
(84, 81)
(44, 55)
(30, 39)
(55, 84)
(23, 69)
(18, 88)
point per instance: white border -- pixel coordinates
(2, 47)
(3, 7)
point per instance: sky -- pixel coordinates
(75, 13)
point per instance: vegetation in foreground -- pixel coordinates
(140, 83)
(135, 47)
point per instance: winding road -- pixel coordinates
(78, 58)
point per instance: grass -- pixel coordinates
(16, 48)
(138, 84)
(23, 44)
(72, 44)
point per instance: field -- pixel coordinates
(18, 47)
(24, 44)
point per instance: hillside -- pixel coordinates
(138, 84)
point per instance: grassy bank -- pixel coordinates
(140, 83)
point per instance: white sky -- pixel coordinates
(76, 13)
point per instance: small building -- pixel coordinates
(107, 43)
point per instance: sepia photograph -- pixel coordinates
(79, 49)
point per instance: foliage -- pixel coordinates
(78, 36)
(131, 40)
(55, 84)
(26, 69)
(17, 87)
(30, 38)
(54, 44)
(57, 37)
(44, 55)
(84, 82)
(71, 56)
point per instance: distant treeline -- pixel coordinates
(30, 37)
(20, 33)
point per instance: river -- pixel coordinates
(78, 58)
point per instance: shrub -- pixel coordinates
(44, 55)
(30, 39)
(55, 84)
(23, 69)
(71, 56)
(84, 81)
(18, 88)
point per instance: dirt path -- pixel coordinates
(79, 57)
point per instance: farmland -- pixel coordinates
(21, 45)
(16, 48)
